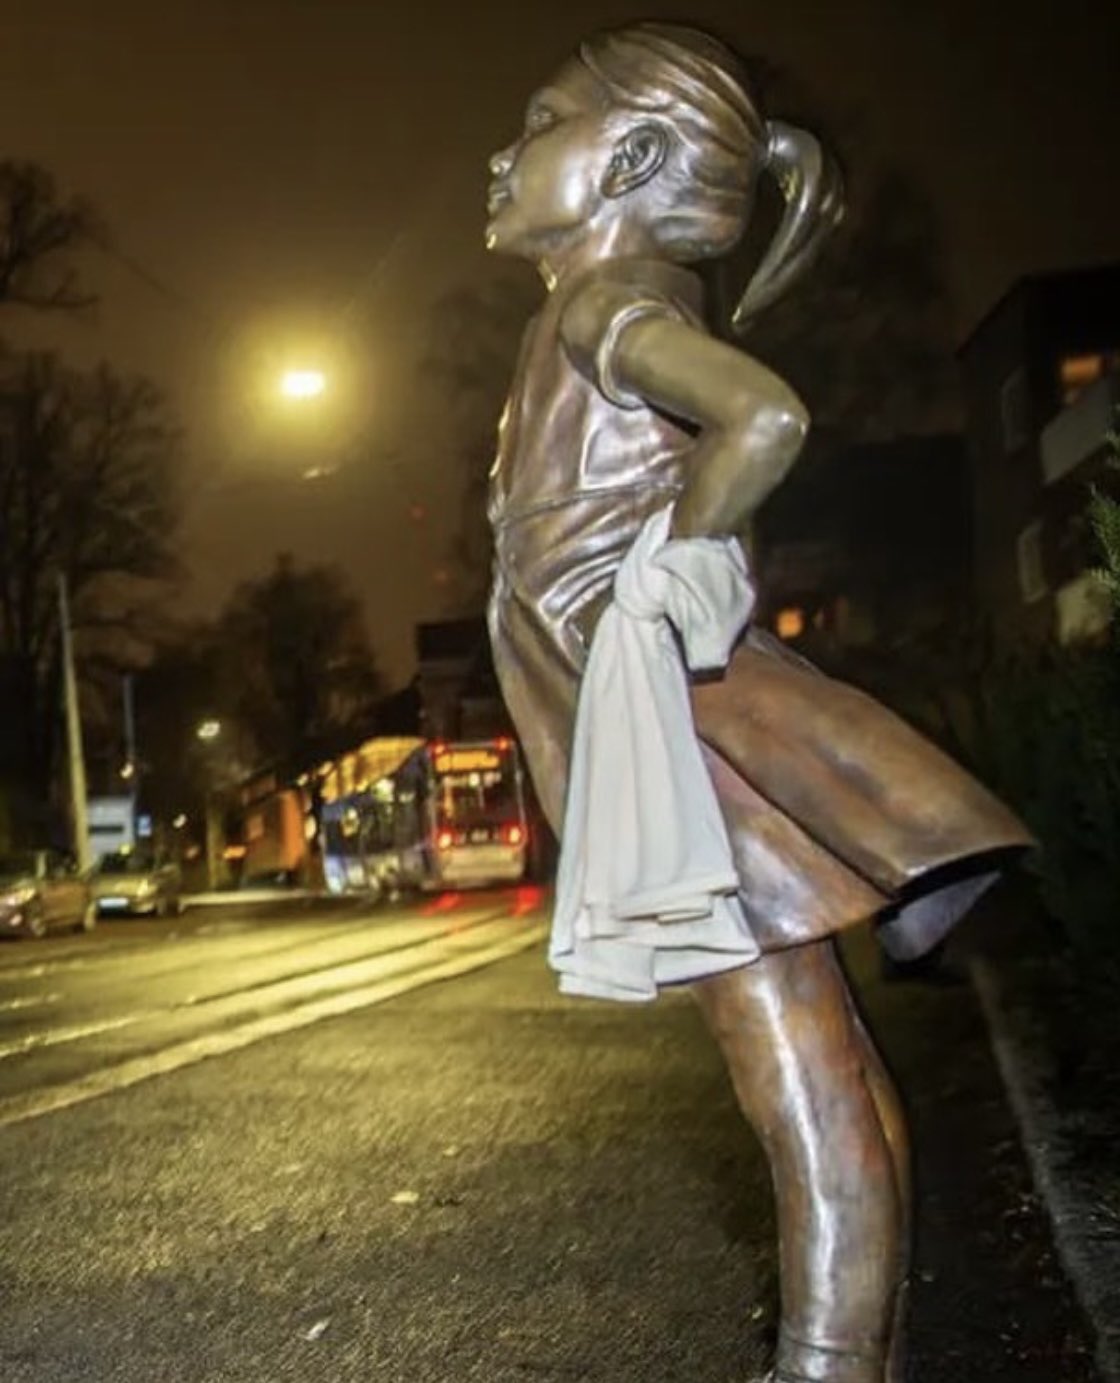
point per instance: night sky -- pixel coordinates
(305, 178)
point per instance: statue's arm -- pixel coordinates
(751, 424)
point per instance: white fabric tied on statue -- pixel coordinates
(646, 887)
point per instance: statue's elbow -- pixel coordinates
(776, 433)
(790, 422)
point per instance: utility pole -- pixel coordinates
(208, 734)
(130, 770)
(129, 727)
(213, 839)
(79, 815)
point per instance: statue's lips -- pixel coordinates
(497, 196)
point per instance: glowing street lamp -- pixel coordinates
(209, 730)
(302, 384)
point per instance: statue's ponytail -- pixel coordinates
(813, 191)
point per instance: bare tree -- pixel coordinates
(298, 669)
(85, 490)
(867, 337)
(179, 688)
(40, 231)
(472, 357)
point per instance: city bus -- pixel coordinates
(424, 815)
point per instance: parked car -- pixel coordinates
(41, 891)
(137, 881)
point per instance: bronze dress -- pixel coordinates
(837, 811)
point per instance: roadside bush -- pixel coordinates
(1054, 729)
(1042, 728)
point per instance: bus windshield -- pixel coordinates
(476, 786)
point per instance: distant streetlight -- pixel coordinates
(302, 384)
(209, 730)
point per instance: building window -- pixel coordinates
(790, 622)
(1077, 372)
(1013, 411)
(1032, 574)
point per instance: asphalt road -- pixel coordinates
(321, 1144)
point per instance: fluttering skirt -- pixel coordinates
(837, 810)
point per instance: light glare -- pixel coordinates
(302, 384)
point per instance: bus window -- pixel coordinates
(488, 798)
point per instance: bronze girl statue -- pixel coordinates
(639, 158)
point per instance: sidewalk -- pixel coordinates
(1057, 1043)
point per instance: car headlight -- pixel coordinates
(17, 898)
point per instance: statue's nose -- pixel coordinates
(502, 161)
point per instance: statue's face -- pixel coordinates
(547, 187)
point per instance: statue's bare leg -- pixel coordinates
(801, 1066)
(893, 1121)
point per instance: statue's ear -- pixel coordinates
(637, 156)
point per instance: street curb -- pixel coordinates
(1088, 1255)
(252, 895)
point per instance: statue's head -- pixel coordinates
(653, 125)
(649, 140)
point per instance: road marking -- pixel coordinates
(55, 1037)
(284, 988)
(263, 941)
(353, 970)
(33, 1104)
(31, 1001)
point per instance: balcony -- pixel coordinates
(1077, 434)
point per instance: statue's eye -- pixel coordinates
(540, 118)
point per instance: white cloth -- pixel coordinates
(646, 886)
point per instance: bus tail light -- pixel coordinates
(445, 840)
(515, 835)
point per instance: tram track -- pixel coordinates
(192, 953)
(72, 1059)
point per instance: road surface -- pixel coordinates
(327, 1143)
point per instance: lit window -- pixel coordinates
(790, 622)
(1077, 372)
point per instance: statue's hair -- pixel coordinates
(720, 142)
